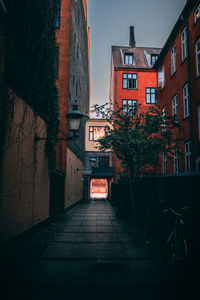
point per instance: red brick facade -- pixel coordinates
(141, 68)
(185, 74)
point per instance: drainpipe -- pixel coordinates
(116, 108)
(189, 94)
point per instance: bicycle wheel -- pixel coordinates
(169, 252)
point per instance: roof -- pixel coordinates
(180, 21)
(141, 56)
(102, 172)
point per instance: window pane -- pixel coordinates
(125, 84)
(153, 98)
(148, 90)
(129, 75)
(124, 75)
(153, 91)
(148, 98)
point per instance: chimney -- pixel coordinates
(132, 42)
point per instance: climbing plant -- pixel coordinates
(31, 59)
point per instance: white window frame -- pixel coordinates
(198, 56)
(184, 43)
(128, 59)
(164, 163)
(161, 77)
(128, 79)
(197, 13)
(151, 95)
(188, 156)
(154, 58)
(186, 101)
(129, 106)
(199, 121)
(176, 160)
(173, 60)
(164, 119)
(175, 107)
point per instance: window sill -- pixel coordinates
(135, 89)
(185, 59)
(186, 118)
(172, 75)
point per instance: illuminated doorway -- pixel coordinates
(98, 189)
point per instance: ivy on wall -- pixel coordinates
(31, 59)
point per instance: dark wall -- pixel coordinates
(79, 71)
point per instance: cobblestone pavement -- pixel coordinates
(87, 254)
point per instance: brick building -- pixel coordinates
(133, 79)
(73, 83)
(36, 182)
(178, 69)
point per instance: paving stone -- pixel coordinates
(86, 237)
(69, 228)
(111, 253)
(88, 223)
(105, 222)
(104, 228)
(65, 237)
(88, 228)
(106, 237)
(44, 274)
(78, 273)
(57, 250)
(109, 246)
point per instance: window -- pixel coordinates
(96, 132)
(197, 13)
(57, 15)
(164, 119)
(129, 107)
(199, 120)
(164, 163)
(186, 101)
(198, 56)
(175, 108)
(184, 43)
(151, 96)
(173, 60)
(128, 58)
(187, 157)
(161, 77)
(129, 81)
(152, 123)
(154, 57)
(176, 160)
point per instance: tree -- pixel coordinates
(137, 136)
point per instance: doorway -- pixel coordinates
(98, 188)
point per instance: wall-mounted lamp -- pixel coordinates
(74, 118)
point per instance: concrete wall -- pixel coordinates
(73, 183)
(24, 200)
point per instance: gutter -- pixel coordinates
(189, 96)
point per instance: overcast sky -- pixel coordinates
(109, 22)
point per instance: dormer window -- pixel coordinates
(154, 57)
(128, 58)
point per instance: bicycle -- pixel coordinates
(176, 248)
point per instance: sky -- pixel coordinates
(109, 22)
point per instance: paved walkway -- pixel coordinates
(89, 254)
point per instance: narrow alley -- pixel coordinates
(89, 253)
